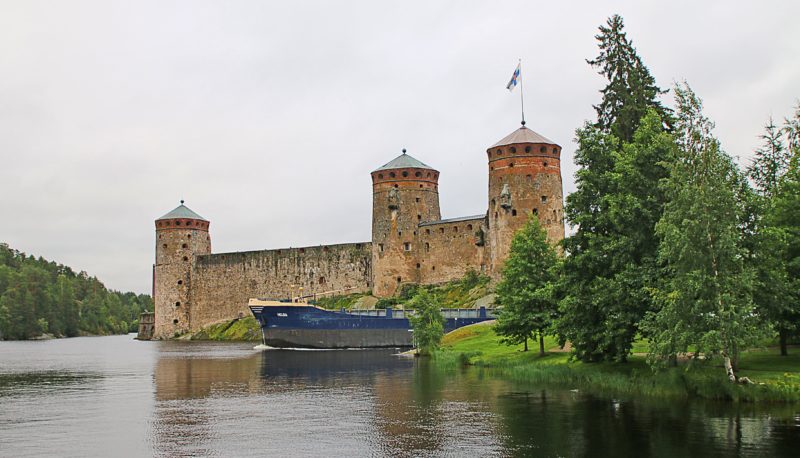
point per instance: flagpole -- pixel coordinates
(521, 97)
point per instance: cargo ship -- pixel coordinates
(295, 323)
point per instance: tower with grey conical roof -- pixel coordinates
(405, 193)
(181, 235)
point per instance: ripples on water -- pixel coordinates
(113, 396)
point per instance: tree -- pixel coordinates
(706, 296)
(770, 162)
(631, 89)
(427, 322)
(526, 289)
(612, 259)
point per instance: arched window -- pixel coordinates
(469, 227)
(418, 174)
(184, 246)
(321, 280)
(427, 246)
(528, 149)
(178, 304)
(175, 321)
(391, 174)
(543, 149)
(180, 282)
(405, 174)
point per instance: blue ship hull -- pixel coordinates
(308, 326)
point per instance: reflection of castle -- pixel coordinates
(411, 243)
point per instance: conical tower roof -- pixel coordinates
(523, 135)
(404, 161)
(182, 211)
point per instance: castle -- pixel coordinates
(411, 243)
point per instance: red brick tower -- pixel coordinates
(405, 192)
(180, 235)
(524, 179)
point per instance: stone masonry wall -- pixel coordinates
(449, 249)
(222, 283)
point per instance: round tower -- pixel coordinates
(405, 192)
(524, 179)
(180, 235)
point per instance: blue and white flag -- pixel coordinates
(514, 79)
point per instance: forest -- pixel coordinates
(43, 298)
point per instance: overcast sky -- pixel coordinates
(267, 117)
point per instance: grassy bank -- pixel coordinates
(241, 329)
(777, 379)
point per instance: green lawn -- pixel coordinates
(777, 379)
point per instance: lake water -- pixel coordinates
(114, 396)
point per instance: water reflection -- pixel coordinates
(87, 397)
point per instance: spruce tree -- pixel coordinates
(631, 89)
(526, 289)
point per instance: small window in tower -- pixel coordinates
(321, 280)
(188, 223)
(436, 175)
(433, 267)
(302, 250)
(555, 216)
(544, 199)
(177, 223)
(469, 227)
(499, 152)
(543, 149)
(380, 176)
(395, 186)
(391, 174)
(427, 232)
(494, 202)
(513, 150)
(184, 246)
(419, 217)
(164, 245)
(418, 174)
(405, 174)
(528, 177)
(555, 150)
(407, 246)
(417, 199)
(455, 228)
(545, 164)
(159, 236)
(495, 215)
(429, 174)
(528, 149)
(536, 211)
(380, 247)
(180, 282)
(325, 249)
(358, 246)
(441, 229)
(418, 266)
(513, 213)
(415, 232)
(178, 304)
(491, 168)
(175, 321)
(427, 246)
(185, 258)
(399, 233)
(189, 236)
(279, 252)
(399, 279)
(511, 165)
(420, 186)
(167, 223)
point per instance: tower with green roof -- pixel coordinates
(405, 193)
(180, 236)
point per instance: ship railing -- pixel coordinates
(481, 312)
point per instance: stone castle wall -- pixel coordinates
(448, 249)
(222, 283)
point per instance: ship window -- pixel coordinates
(180, 282)
(544, 199)
(513, 213)
(184, 246)
(407, 246)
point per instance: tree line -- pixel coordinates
(42, 297)
(673, 241)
